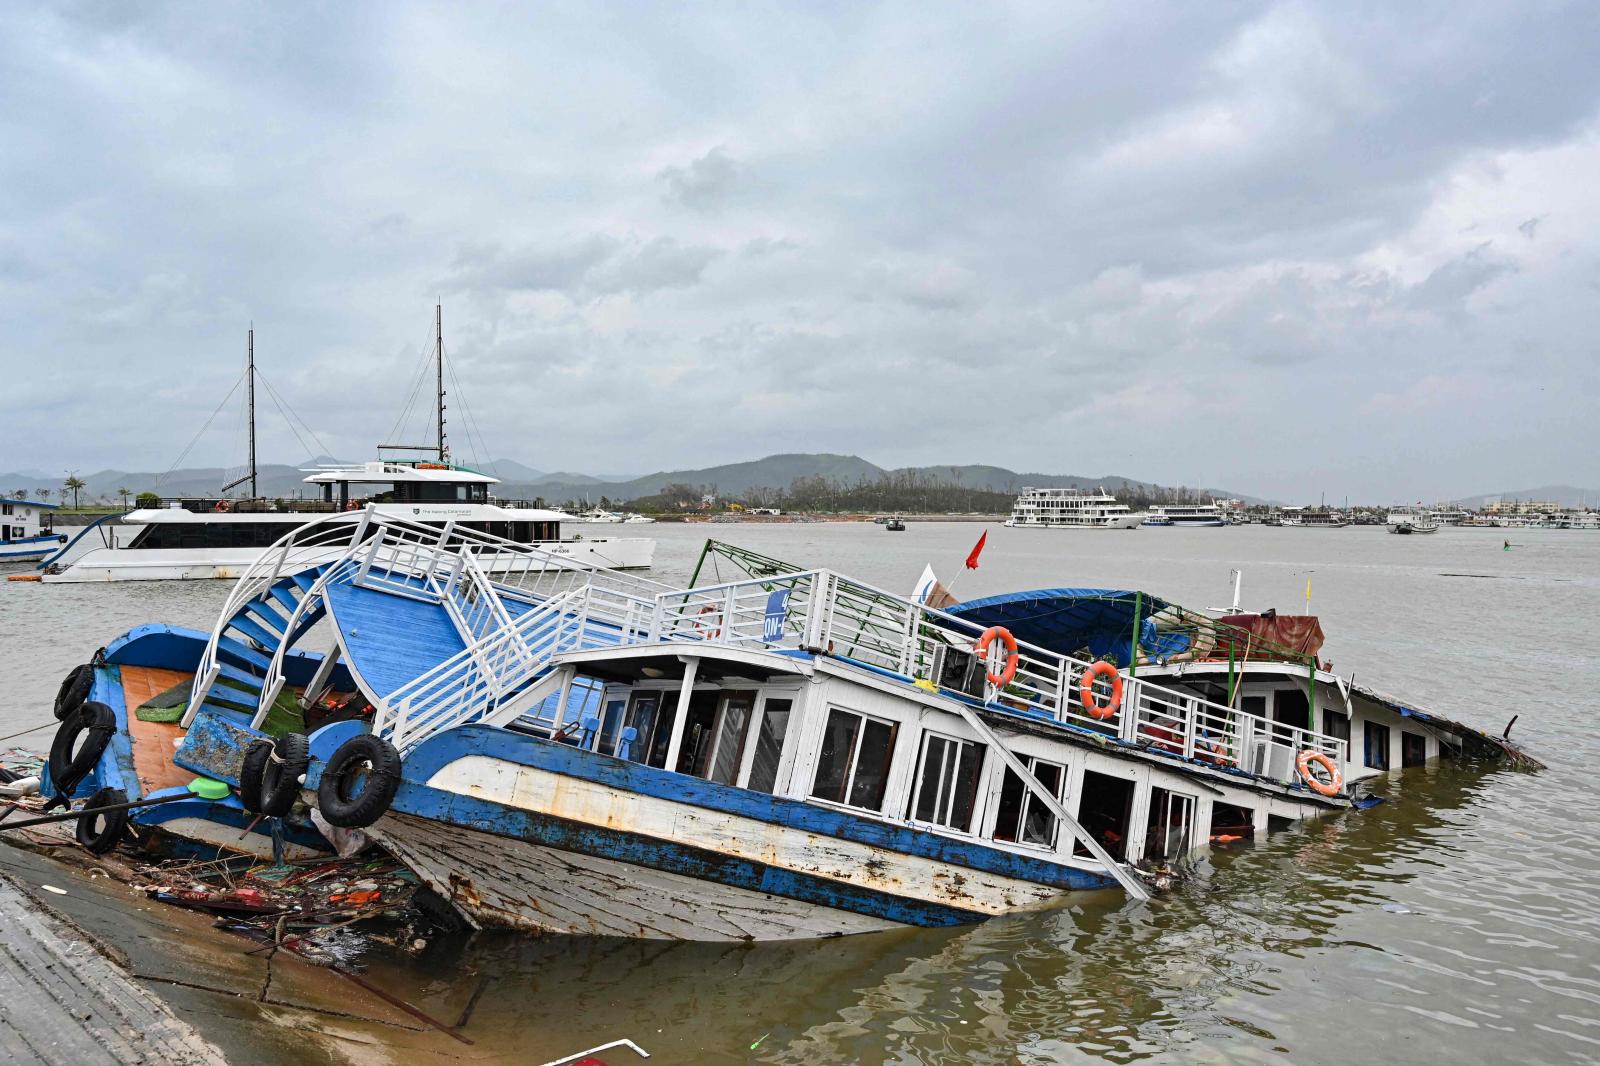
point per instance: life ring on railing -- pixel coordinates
(1323, 787)
(707, 631)
(352, 506)
(223, 506)
(1006, 675)
(1086, 690)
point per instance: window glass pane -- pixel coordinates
(730, 738)
(833, 764)
(769, 744)
(931, 778)
(1009, 815)
(966, 787)
(642, 718)
(611, 725)
(1040, 825)
(872, 765)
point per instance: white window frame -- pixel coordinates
(1064, 761)
(855, 761)
(1194, 820)
(785, 756)
(952, 765)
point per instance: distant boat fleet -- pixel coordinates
(1070, 508)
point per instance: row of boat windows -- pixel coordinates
(266, 534)
(853, 765)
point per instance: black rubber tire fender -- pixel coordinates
(359, 782)
(70, 763)
(99, 833)
(251, 770)
(74, 690)
(282, 772)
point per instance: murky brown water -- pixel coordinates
(1460, 922)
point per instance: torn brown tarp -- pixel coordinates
(1269, 636)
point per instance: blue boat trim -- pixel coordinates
(524, 750)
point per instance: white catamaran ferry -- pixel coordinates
(1072, 509)
(180, 543)
(1186, 514)
(222, 538)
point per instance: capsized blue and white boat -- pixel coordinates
(797, 754)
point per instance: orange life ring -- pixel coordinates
(1086, 690)
(1329, 787)
(707, 632)
(1005, 676)
(352, 506)
(223, 507)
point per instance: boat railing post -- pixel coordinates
(817, 608)
(1128, 725)
(726, 634)
(1191, 724)
(1247, 741)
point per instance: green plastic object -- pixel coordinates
(209, 788)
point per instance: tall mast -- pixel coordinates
(250, 374)
(438, 349)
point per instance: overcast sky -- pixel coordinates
(1285, 248)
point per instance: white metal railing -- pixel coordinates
(828, 613)
(482, 676)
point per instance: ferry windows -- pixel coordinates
(1170, 832)
(1413, 749)
(719, 760)
(853, 767)
(699, 735)
(1105, 808)
(769, 744)
(1375, 746)
(611, 725)
(1022, 817)
(947, 782)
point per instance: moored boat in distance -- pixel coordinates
(1403, 520)
(1057, 508)
(223, 539)
(1186, 514)
(27, 530)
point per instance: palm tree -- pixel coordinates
(73, 484)
(124, 492)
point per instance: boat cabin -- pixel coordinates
(27, 530)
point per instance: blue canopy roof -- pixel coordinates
(1068, 620)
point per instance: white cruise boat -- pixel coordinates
(223, 539)
(1403, 521)
(26, 533)
(1186, 514)
(1072, 509)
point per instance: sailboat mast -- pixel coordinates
(250, 374)
(438, 349)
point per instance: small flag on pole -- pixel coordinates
(977, 550)
(931, 592)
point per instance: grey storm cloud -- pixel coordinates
(1101, 238)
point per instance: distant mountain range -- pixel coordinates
(519, 481)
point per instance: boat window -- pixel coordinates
(1413, 749)
(1022, 817)
(718, 738)
(611, 725)
(1230, 823)
(1337, 725)
(1169, 833)
(854, 765)
(642, 719)
(1105, 808)
(1375, 745)
(769, 744)
(947, 782)
(1291, 710)
(5, 508)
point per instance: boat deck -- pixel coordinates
(152, 742)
